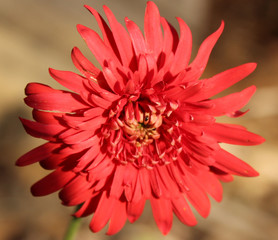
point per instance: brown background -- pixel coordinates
(37, 34)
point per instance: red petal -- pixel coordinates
(88, 207)
(106, 32)
(231, 103)
(113, 79)
(40, 130)
(143, 175)
(100, 102)
(47, 117)
(117, 182)
(156, 184)
(184, 95)
(224, 80)
(171, 37)
(118, 218)
(100, 50)
(137, 38)
(52, 182)
(78, 137)
(107, 95)
(68, 79)
(183, 211)
(197, 67)
(83, 64)
(183, 52)
(231, 134)
(76, 192)
(135, 209)
(197, 197)
(152, 29)
(56, 101)
(33, 88)
(121, 38)
(162, 212)
(211, 185)
(87, 158)
(103, 212)
(229, 163)
(37, 154)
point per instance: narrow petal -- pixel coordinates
(40, 130)
(137, 38)
(88, 207)
(100, 50)
(118, 218)
(33, 88)
(231, 103)
(68, 79)
(76, 192)
(183, 52)
(84, 65)
(121, 37)
(53, 100)
(231, 134)
(135, 209)
(183, 211)
(171, 37)
(224, 80)
(47, 117)
(152, 29)
(197, 196)
(117, 183)
(106, 31)
(105, 94)
(103, 213)
(162, 212)
(211, 185)
(37, 154)
(229, 163)
(52, 182)
(197, 67)
(183, 94)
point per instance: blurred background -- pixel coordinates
(37, 34)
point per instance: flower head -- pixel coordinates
(141, 128)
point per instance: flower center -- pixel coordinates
(143, 129)
(143, 133)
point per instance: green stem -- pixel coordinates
(73, 227)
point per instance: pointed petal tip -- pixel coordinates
(222, 24)
(151, 3)
(252, 65)
(80, 27)
(20, 163)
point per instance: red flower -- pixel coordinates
(142, 128)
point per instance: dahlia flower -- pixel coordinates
(140, 128)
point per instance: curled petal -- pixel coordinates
(197, 67)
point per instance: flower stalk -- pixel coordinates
(73, 227)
